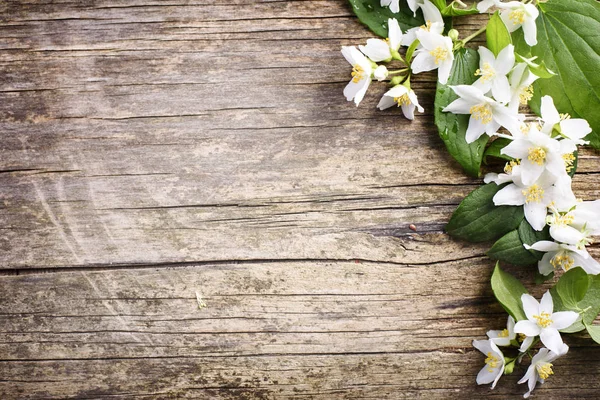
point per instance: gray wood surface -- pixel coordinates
(152, 150)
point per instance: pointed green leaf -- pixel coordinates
(372, 14)
(453, 127)
(594, 331)
(590, 303)
(572, 287)
(477, 219)
(494, 148)
(508, 291)
(497, 34)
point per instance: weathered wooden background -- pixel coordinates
(154, 149)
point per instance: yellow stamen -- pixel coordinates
(504, 333)
(526, 94)
(544, 370)
(482, 112)
(517, 17)
(358, 73)
(543, 319)
(487, 72)
(403, 100)
(568, 159)
(537, 155)
(558, 219)
(564, 117)
(440, 54)
(533, 194)
(491, 361)
(510, 165)
(522, 337)
(427, 26)
(562, 260)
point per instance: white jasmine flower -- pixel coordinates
(361, 74)
(505, 336)
(575, 129)
(494, 363)
(403, 97)
(521, 80)
(515, 14)
(538, 152)
(543, 322)
(540, 368)
(511, 171)
(434, 23)
(487, 115)
(493, 71)
(563, 256)
(534, 198)
(436, 53)
(394, 5)
(382, 50)
(577, 225)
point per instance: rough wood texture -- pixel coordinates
(152, 150)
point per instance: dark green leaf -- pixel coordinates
(494, 148)
(509, 248)
(372, 14)
(508, 291)
(497, 35)
(568, 44)
(594, 331)
(572, 287)
(477, 219)
(453, 127)
(539, 278)
(529, 236)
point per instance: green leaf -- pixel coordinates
(568, 44)
(494, 148)
(539, 278)
(497, 34)
(572, 287)
(477, 219)
(440, 4)
(372, 14)
(453, 127)
(411, 50)
(508, 291)
(537, 69)
(594, 331)
(509, 248)
(453, 11)
(590, 303)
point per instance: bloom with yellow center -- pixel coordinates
(362, 70)
(494, 362)
(543, 322)
(493, 72)
(541, 367)
(561, 256)
(515, 15)
(436, 53)
(575, 129)
(402, 97)
(505, 336)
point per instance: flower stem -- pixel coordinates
(469, 38)
(460, 3)
(398, 71)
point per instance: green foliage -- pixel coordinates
(453, 11)
(453, 127)
(568, 45)
(589, 305)
(508, 291)
(594, 331)
(497, 35)
(372, 14)
(477, 219)
(572, 287)
(494, 148)
(509, 248)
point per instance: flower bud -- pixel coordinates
(453, 34)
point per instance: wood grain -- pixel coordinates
(151, 150)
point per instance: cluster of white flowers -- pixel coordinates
(434, 51)
(541, 321)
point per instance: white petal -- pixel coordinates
(575, 128)
(527, 327)
(551, 339)
(470, 93)
(409, 111)
(444, 71)
(413, 99)
(485, 56)
(563, 319)
(377, 50)
(526, 344)
(531, 306)
(546, 304)
(511, 25)
(589, 265)
(530, 31)
(516, 149)
(545, 246)
(549, 113)
(505, 61)
(394, 34)
(422, 62)
(501, 89)
(386, 102)
(431, 13)
(510, 195)
(475, 129)
(507, 118)
(535, 214)
(544, 266)
(531, 172)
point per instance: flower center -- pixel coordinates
(533, 194)
(522, 337)
(508, 168)
(427, 26)
(403, 100)
(487, 72)
(562, 260)
(358, 73)
(537, 155)
(564, 117)
(526, 94)
(504, 333)
(517, 17)
(439, 53)
(482, 112)
(544, 370)
(568, 159)
(558, 219)
(543, 319)
(491, 361)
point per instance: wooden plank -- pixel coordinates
(269, 330)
